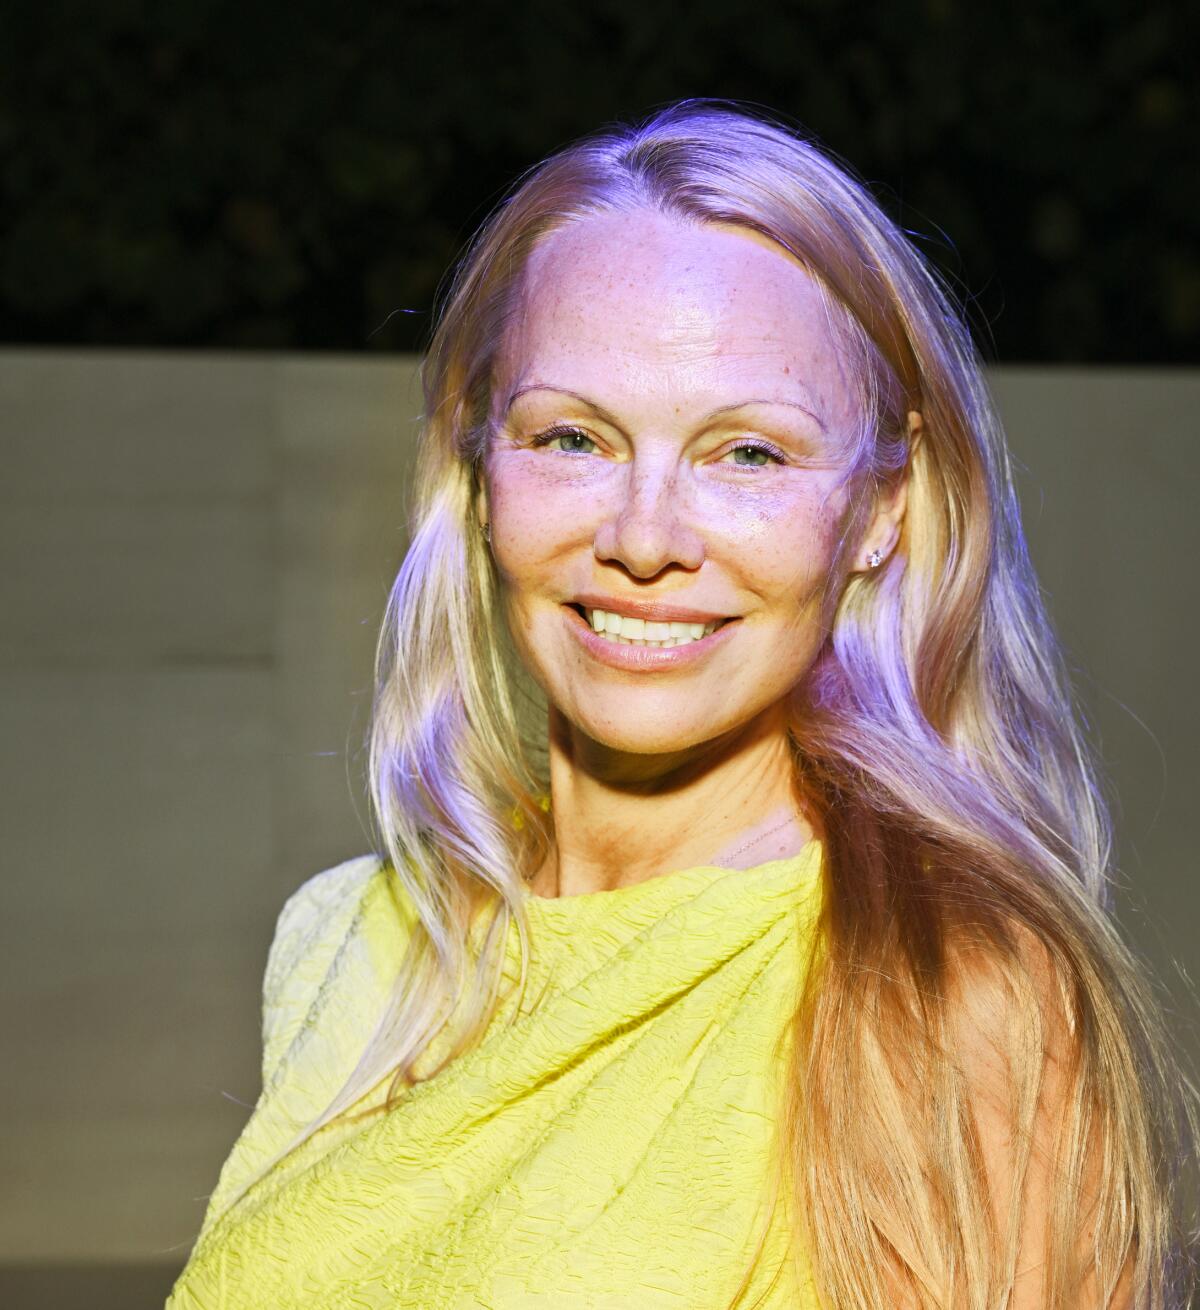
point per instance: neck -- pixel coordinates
(622, 819)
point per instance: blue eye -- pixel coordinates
(560, 433)
(769, 453)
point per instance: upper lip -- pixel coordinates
(654, 610)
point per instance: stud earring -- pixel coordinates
(487, 532)
(875, 559)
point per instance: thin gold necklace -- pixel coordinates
(763, 835)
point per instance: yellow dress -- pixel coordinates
(608, 1150)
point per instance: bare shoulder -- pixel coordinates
(1012, 1036)
(995, 1002)
(1014, 1028)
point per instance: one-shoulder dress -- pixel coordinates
(608, 1145)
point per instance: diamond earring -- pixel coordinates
(487, 532)
(875, 559)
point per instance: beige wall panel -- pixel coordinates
(137, 845)
(1111, 463)
(346, 439)
(135, 510)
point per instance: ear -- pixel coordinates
(481, 501)
(883, 531)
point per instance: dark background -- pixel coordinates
(201, 173)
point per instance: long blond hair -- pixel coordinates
(936, 743)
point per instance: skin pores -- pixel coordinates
(669, 423)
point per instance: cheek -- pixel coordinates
(782, 543)
(533, 515)
(778, 541)
(539, 522)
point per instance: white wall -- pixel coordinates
(197, 550)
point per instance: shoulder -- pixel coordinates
(316, 922)
(999, 998)
(314, 913)
(314, 949)
(1013, 1028)
(1016, 1025)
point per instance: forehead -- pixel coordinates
(656, 306)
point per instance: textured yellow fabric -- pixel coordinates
(611, 1148)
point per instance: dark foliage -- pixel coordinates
(203, 173)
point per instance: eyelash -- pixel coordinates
(565, 430)
(560, 430)
(774, 452)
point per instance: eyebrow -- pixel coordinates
(708, 418)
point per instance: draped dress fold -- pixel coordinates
(610, 1143)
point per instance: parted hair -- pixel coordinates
(966, 923)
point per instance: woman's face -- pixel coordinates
(668, 425)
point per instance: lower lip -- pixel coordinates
(645, 659)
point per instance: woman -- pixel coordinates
(741, 934)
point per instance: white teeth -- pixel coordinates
(646, 632)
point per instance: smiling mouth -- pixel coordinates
(622, 630)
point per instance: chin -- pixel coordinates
(649, 743)
(636, 730)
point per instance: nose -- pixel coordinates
(650, 529)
